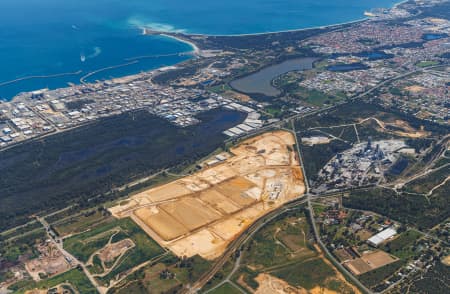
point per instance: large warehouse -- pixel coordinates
(382, 236)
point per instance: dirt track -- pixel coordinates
(202, 213)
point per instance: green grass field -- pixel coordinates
(12, 249)
(402, 245)
(307, 274)
(79, 223)
(378, 275)
(226, 288)
(427, 63)
(278, 243)
(316, 98)
(97, 267)
(283, 249)
(134, 287)
(149, 280)
(85, 244)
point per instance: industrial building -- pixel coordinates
(382, 236)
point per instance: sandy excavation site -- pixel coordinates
(202, 213)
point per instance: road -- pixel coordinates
(260, 223)
(340, 267)
(236, 266)
(294, 117)
(243, 238)
(69, 257)
(248, 233)
(300, 158)
(337, 264)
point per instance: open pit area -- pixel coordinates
(49, 263)
(202, 213)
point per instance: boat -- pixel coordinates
(82, 58)
(369, 14)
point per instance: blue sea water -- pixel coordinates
(48, 37)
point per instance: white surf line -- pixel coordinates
(195, 49)
(328, 26)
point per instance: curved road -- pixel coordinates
(247, 234)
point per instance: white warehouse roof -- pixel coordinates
(382, 236)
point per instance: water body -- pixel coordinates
(261, 81)
(347, 67)
(61, 38)
(375, 55)
(430, 37)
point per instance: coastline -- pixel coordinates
(174, 34)
(196, 51)
(273, 32)
(400, 3)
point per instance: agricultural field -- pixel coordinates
(202, 213)
(283, 254)
(19, 231)
(11, 249)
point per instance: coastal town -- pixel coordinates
(45, 111)
(398, 63)
(336, 159)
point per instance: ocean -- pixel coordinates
(49, 43)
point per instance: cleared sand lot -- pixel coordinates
(202, 213)
(269, 285)
(370, 261)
